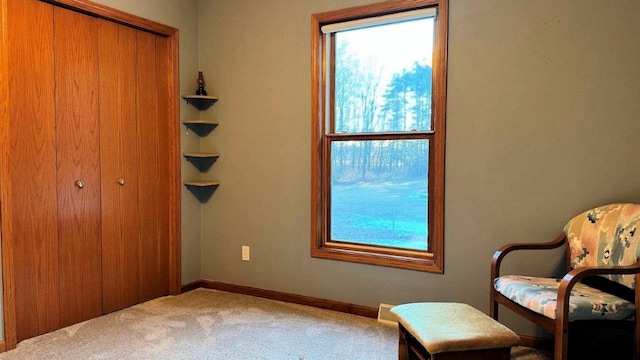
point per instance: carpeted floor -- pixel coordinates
(209, 324)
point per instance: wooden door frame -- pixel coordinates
(6, 220)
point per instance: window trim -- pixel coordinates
(321, 246)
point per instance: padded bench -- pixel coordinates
(439, 331)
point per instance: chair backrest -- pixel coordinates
(605, 236)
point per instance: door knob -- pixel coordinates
(121, 181)
(80, 184)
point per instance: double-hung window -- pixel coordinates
(378, 132)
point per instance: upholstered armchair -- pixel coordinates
(599, 287)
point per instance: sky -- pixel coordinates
(397, 45)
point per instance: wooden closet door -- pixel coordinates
(134, 137)
(152, 115)
(78, 163)
(29, 218)
(119, 159)
(163, 48)
(73, 250)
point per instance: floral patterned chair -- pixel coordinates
(599, 287)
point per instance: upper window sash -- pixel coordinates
(329, 32)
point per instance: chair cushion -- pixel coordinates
(586, 303)
(606, 236)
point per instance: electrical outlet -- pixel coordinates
(245, 253)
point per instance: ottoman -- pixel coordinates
(441, 330)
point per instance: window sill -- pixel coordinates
(397, 258)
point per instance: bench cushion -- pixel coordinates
(446, 327)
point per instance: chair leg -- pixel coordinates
(560, 346)
(493, 311)
(636, 340)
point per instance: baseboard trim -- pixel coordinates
(191, 286)
(370, 312)
(359, 310)
(536, 342)
(3, 346)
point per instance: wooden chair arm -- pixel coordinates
(583, 272)
(499, 255)
(575, 275)
(572, 277)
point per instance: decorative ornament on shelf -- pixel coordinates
(200, 100)
(201, 85)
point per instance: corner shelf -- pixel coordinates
(201, 161)
(201, 127)
(202, 190)
(200, 102)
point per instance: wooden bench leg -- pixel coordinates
(409, 348)
(403, 347)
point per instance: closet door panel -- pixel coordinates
(119, 166)
(31, 130)
(78, 162)
(163, 89)
(148, 130)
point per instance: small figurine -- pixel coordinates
(201, 85)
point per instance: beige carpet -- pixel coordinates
(208, 324)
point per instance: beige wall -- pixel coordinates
(542, 122)
(181, 14)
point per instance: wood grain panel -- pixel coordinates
(119, 160)
(32, 242)
(79, 209)
(6, 226)
(149, 186)
(163, 91)
(52, 265)
(173, 164)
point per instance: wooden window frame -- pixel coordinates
(322, 136)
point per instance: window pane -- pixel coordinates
(383, 77)
(379, 192)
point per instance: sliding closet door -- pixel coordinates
(152, 114)
(119, 158)
(29, 219)
(78, 163)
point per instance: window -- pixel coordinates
(378, 132)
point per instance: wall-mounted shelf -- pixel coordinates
(202, 190)
(200, 127)
(201, 161)
(200, 102)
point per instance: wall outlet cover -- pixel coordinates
(245, 253)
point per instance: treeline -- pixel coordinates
(364, 104)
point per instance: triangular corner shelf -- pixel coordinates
(202, 190)
(202, 161)
(200, 127)
(200, 102)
